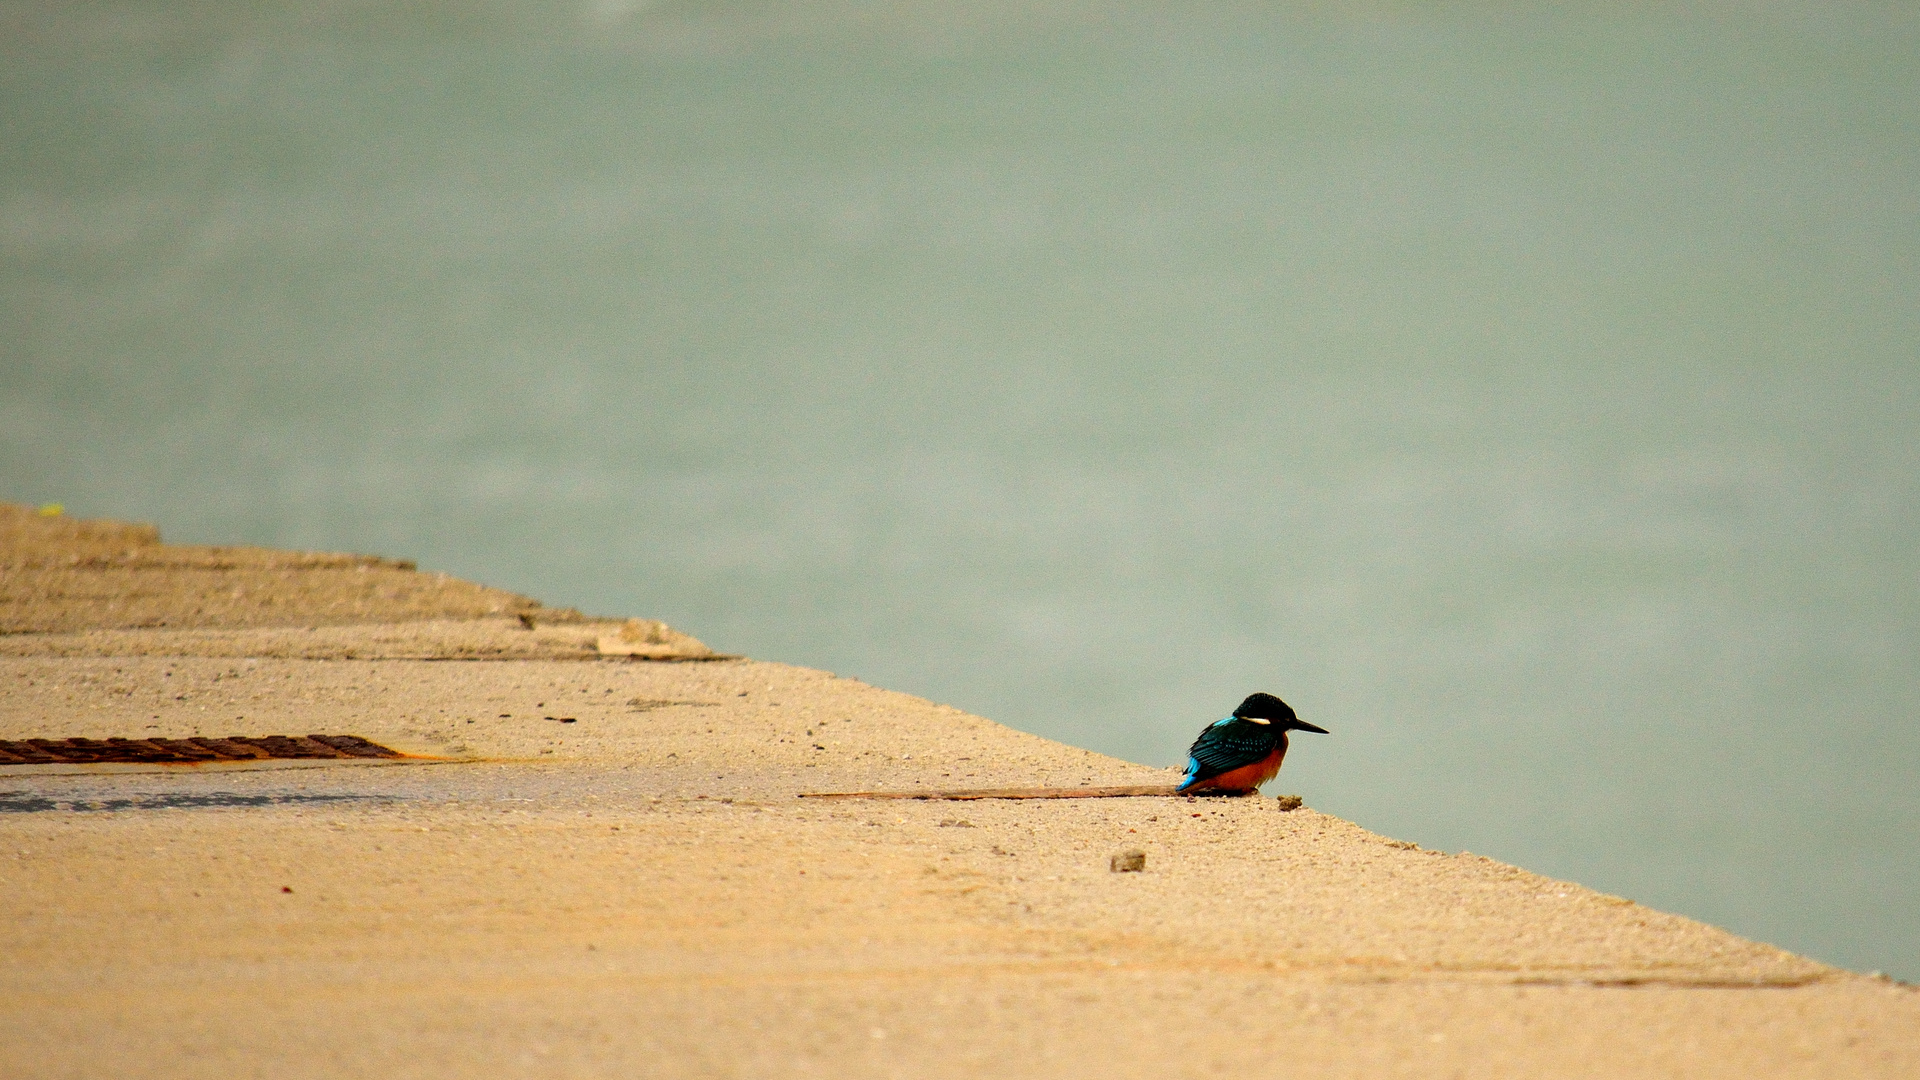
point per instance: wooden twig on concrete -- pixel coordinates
(1124, 792)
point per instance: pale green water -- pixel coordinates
(1531, 401)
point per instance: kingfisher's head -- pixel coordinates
(1267, 709)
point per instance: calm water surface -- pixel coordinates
(1532, 400)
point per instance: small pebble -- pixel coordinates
(1128, 862)
(1288, 802)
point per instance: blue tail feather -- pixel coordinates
(1193, 770)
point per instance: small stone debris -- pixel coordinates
(957, 823)
(1128, 862)
(1289, 802)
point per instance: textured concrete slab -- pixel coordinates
(609, 872)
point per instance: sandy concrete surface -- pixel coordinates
(58, 573)
(598, 866)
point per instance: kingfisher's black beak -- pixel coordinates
(1304, 726)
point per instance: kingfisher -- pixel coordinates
(1243, 751)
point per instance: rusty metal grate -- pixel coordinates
(187, 751)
